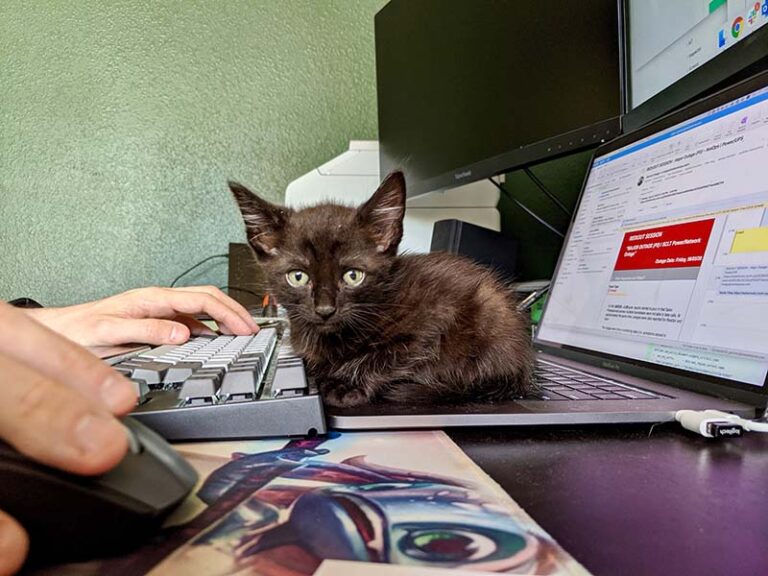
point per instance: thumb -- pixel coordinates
(144, 331)
(14, 545)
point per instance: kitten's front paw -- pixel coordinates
(343, 397)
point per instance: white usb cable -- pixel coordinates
(717, 424)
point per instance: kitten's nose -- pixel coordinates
(325, 311)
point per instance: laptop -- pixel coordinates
(659, 301)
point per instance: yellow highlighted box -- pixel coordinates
(750, 240)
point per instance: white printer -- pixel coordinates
(352, 177)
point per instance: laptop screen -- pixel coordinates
(666, 261)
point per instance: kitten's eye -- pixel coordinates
(353, 277)
(297, 278)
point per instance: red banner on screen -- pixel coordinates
(676, 246)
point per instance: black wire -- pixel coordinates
(546, 191)
(188, 270)
(237, 289)
(527, 210)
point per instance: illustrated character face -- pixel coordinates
(421, 523)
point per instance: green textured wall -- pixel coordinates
(121, 120)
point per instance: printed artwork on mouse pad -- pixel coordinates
(282, 507)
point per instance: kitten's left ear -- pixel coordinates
(382, 215)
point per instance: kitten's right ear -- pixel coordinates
(382, 214)
(264, 221)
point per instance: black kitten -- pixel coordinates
(372, 325)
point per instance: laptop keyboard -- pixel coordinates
(215, 387)
(556, 382)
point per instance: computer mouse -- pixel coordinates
(71, 518)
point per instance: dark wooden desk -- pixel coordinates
(624, 503)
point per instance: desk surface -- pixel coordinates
(622, 502)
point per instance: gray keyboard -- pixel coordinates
(225, 387)
(556, 382)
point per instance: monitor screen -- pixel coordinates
(468, 89)
(666, 261)
(678, 50)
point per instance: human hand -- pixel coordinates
(148, 316)
(57, 408)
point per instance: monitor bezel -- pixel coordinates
(738, 62)
(712, 385)
(583, 138)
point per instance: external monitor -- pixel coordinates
(469, 89)
(679, 50)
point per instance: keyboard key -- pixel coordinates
(289, 381)
(142, 389)
(180, 372)
(253, 356)
(596, 383)
(217, 364)
(151, 372)
(608, 396)
(239, 385)
(555, 387)
(544, 395)
(252, 363)
(635, 395)
(586, 387)
(215, 373)
(576, 395)
(156, 353)
(200, 390)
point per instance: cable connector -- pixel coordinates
(718, 424)
(724, 430)
(709, 423)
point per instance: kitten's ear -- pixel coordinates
(382, 215)
(264, 222)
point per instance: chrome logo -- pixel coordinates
(736, 27)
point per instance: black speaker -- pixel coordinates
(484, 246)
(246, 280)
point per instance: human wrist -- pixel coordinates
(45, 316)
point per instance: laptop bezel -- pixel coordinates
(706, 384)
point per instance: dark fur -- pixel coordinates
(433, 327)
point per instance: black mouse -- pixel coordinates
(71, 518)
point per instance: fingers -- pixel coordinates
(196, 327)
(55, 409)
(53, 424)
(167, 303)
(227, 301)
(58, 358)
(14, 545)
(112, 331)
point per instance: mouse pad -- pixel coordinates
(412, 500)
